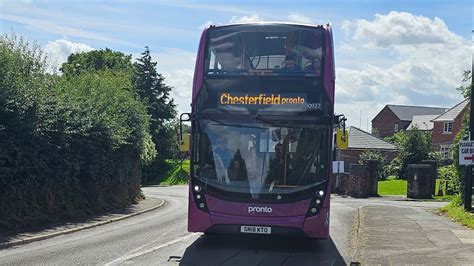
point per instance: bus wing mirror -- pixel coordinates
(184, 139)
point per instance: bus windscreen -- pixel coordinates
(253, 49)
(255, 158)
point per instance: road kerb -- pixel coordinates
(73, 230)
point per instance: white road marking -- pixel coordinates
(146, 251)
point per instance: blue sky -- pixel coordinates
(387, 52)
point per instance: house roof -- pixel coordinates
(422, 122)
(452, 113)
(406, 113)
(359, 139)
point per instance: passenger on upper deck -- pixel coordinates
(290, 63)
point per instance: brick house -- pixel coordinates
(393, 118)
(446, 126)
(360, 141)
(422, 122)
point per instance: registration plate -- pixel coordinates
(256, 229)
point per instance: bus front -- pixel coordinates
(262, 123)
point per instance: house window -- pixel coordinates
(444, 150)
(395, 128)
(448, 128)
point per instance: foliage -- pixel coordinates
(151, 88)
(414, 146)
(450, 174)
(463, 134)
(456, 211)
(465, 89)
(377, 156)
(69, 145)
(96, 60)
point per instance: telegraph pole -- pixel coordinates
(468, 179)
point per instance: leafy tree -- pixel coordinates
(414, 146)
(96, 60)
(153, 91)
(463, 134)
(465, 89)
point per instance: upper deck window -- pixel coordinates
(265, 49)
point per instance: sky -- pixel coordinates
(387, 52)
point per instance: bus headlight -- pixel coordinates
(198, 196)
(197, 188)
(201, 205)
(317, 200)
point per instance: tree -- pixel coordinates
(414, 146)
(96, 60)
(465, 89)
(151, 88)
(463, 134)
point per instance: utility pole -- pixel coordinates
(468, 178)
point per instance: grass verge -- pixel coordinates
(456, 211)
(177, 174)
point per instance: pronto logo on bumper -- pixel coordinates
(256, 209)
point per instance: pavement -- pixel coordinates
(14, 238)
(406, 234)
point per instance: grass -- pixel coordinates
(398, 187)
(456, 211)
(177, 175)
(392, 186)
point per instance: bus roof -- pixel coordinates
(271, 23)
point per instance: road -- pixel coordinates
(358, 233)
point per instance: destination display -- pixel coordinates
(273, 101)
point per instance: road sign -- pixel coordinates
(342, 139)
(466, 153)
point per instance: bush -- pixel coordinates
(376, 155)
(68, 145)
(449, 173)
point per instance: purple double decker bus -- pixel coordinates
(262, 130)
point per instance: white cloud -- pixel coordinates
(252, 18)
(59, 50)
(401, 28)
(177, 66)
(398, 58)
(297, 17)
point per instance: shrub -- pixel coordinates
(68, 145)
(378, 156)
(449, 173)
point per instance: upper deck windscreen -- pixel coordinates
(264, 50)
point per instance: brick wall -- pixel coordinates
(440, 138)
(384, 123)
